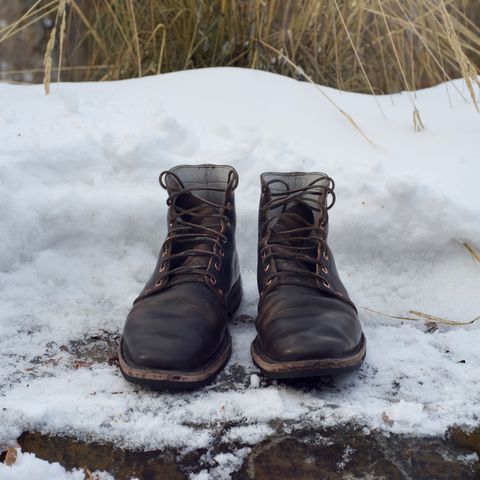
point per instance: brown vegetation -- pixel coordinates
(375, 46)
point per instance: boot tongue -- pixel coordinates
(201, 217)
(297, 215)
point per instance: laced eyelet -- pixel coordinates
(213, 280)
(157, 284)
(326, 284)
(221, 253)
(325, 255)
(263, 255)
(266, 268)
(227, 222)
(217, 266)
(268, 282)
(169, 202)
(163, 267)
(229, 205)
(165, 251)
(324, 269)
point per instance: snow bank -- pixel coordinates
(82, 219)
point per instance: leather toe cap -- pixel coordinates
(297, 324)
(180, 329)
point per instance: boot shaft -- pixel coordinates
(293, 233)
(200, 241)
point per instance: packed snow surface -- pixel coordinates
(83, 217)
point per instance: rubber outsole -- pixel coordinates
(159, 379)
(306, 368)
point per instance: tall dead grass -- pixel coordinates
(374, 46)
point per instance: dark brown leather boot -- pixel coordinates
(176, 334)
(307, 324)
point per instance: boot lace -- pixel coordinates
(296, 245)
(189, 231)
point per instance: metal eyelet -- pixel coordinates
(162, 267)
(221, 253)
(224, 240)
(220, 291)
(268, 282)
(217, 266)
(266, 268)
(157, 284)
(229, 205)
(227, 222)
(326, 284)
(325, 255)
(324, 269)
(213, 280)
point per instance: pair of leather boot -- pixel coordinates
(176, 334)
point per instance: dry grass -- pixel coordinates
(472, 250)
(375, 46)
(417, 316)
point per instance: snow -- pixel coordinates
(225, 464)
(27, 464)
(82, 219)
(248, 434)
(254, 380)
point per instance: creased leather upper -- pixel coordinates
(299, 317)
(180, 322)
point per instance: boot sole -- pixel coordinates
(160, 379)
(307, 368)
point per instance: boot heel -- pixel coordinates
(234, 298)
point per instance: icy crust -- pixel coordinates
(82, 219)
